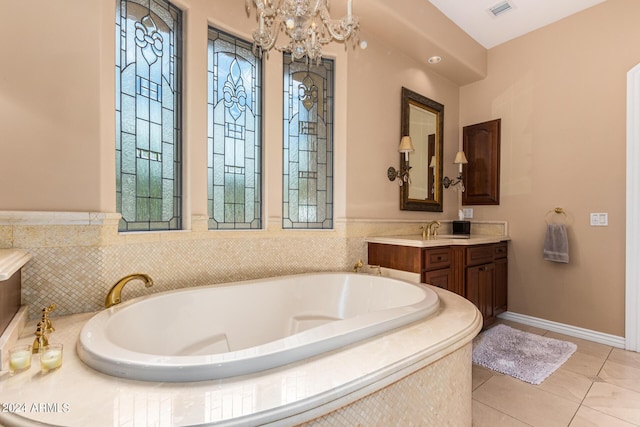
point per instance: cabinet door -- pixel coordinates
(501, 286)
(440, 278)
(480, 290)
(481, 144)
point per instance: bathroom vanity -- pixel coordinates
(475, 267)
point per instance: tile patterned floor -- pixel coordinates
(599, 386)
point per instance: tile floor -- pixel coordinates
(598, 386)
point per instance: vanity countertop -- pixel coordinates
(12, 260)
(440, 240)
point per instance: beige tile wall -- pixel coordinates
(78, 257)
(437, 395)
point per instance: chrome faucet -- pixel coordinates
(113, 297)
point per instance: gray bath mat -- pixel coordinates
(528, 357)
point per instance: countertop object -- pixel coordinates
(417, 241)
(12, 260)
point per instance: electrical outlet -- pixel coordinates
(468, 213)
(599, 219)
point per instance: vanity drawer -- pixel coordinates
(500, 250)
(481, 254)
(440, 278)
(435, 259)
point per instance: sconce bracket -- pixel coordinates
(392, 174)
(447, 182)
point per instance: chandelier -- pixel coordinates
(307, 23)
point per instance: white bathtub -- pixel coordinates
(223, 331)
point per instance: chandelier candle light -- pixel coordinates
(307, 23)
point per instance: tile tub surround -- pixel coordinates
(346, 385)
(77, 257)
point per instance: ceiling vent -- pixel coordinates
(500, 8)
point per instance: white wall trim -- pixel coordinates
(632, 297)
(561, 328)
(56, 218)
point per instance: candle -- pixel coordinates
(261, 24)
(51, 357)
(19, 359)
(349, 8)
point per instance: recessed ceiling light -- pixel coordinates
(434, 59)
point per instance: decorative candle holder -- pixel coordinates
(19, 359)
(51, 357)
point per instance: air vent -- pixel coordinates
(500, 8)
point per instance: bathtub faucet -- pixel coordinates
(113, 297)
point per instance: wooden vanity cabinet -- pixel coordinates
(436, 268)
(480, 282)
(501, 277)
(476, 272)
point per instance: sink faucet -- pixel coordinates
(430, 230)
(113, 297)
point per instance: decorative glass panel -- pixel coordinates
(148, 115)
(234, 86)
(308, 145)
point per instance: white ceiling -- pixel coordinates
(474, 17)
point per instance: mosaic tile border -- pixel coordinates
(77, 257)
(436, 395)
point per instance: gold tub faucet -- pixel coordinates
(113, 297)
(43, 328)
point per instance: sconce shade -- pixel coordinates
(460, 159)
(406, 145)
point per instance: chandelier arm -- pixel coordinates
(340, 30)
(306, 23)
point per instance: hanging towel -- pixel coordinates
(556, 244)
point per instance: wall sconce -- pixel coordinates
(460, 160)
(406, 147)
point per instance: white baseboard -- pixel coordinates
(561, 328)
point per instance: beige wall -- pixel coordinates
(376, 76)
(57, 154)
(561, 94)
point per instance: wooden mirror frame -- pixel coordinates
(412, 98)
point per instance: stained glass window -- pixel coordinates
(234, 108)
(148, 115)
(308, 145)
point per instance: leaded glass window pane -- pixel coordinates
(148, 115)
(308, 145)
(234, 104)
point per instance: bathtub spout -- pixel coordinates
(113, 297)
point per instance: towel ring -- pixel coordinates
(558, 211)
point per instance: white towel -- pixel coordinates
(556, 244)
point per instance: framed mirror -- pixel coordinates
(423, 120)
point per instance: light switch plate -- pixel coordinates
(599, 219)
(468, 213)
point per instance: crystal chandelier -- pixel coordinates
(307, 23)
